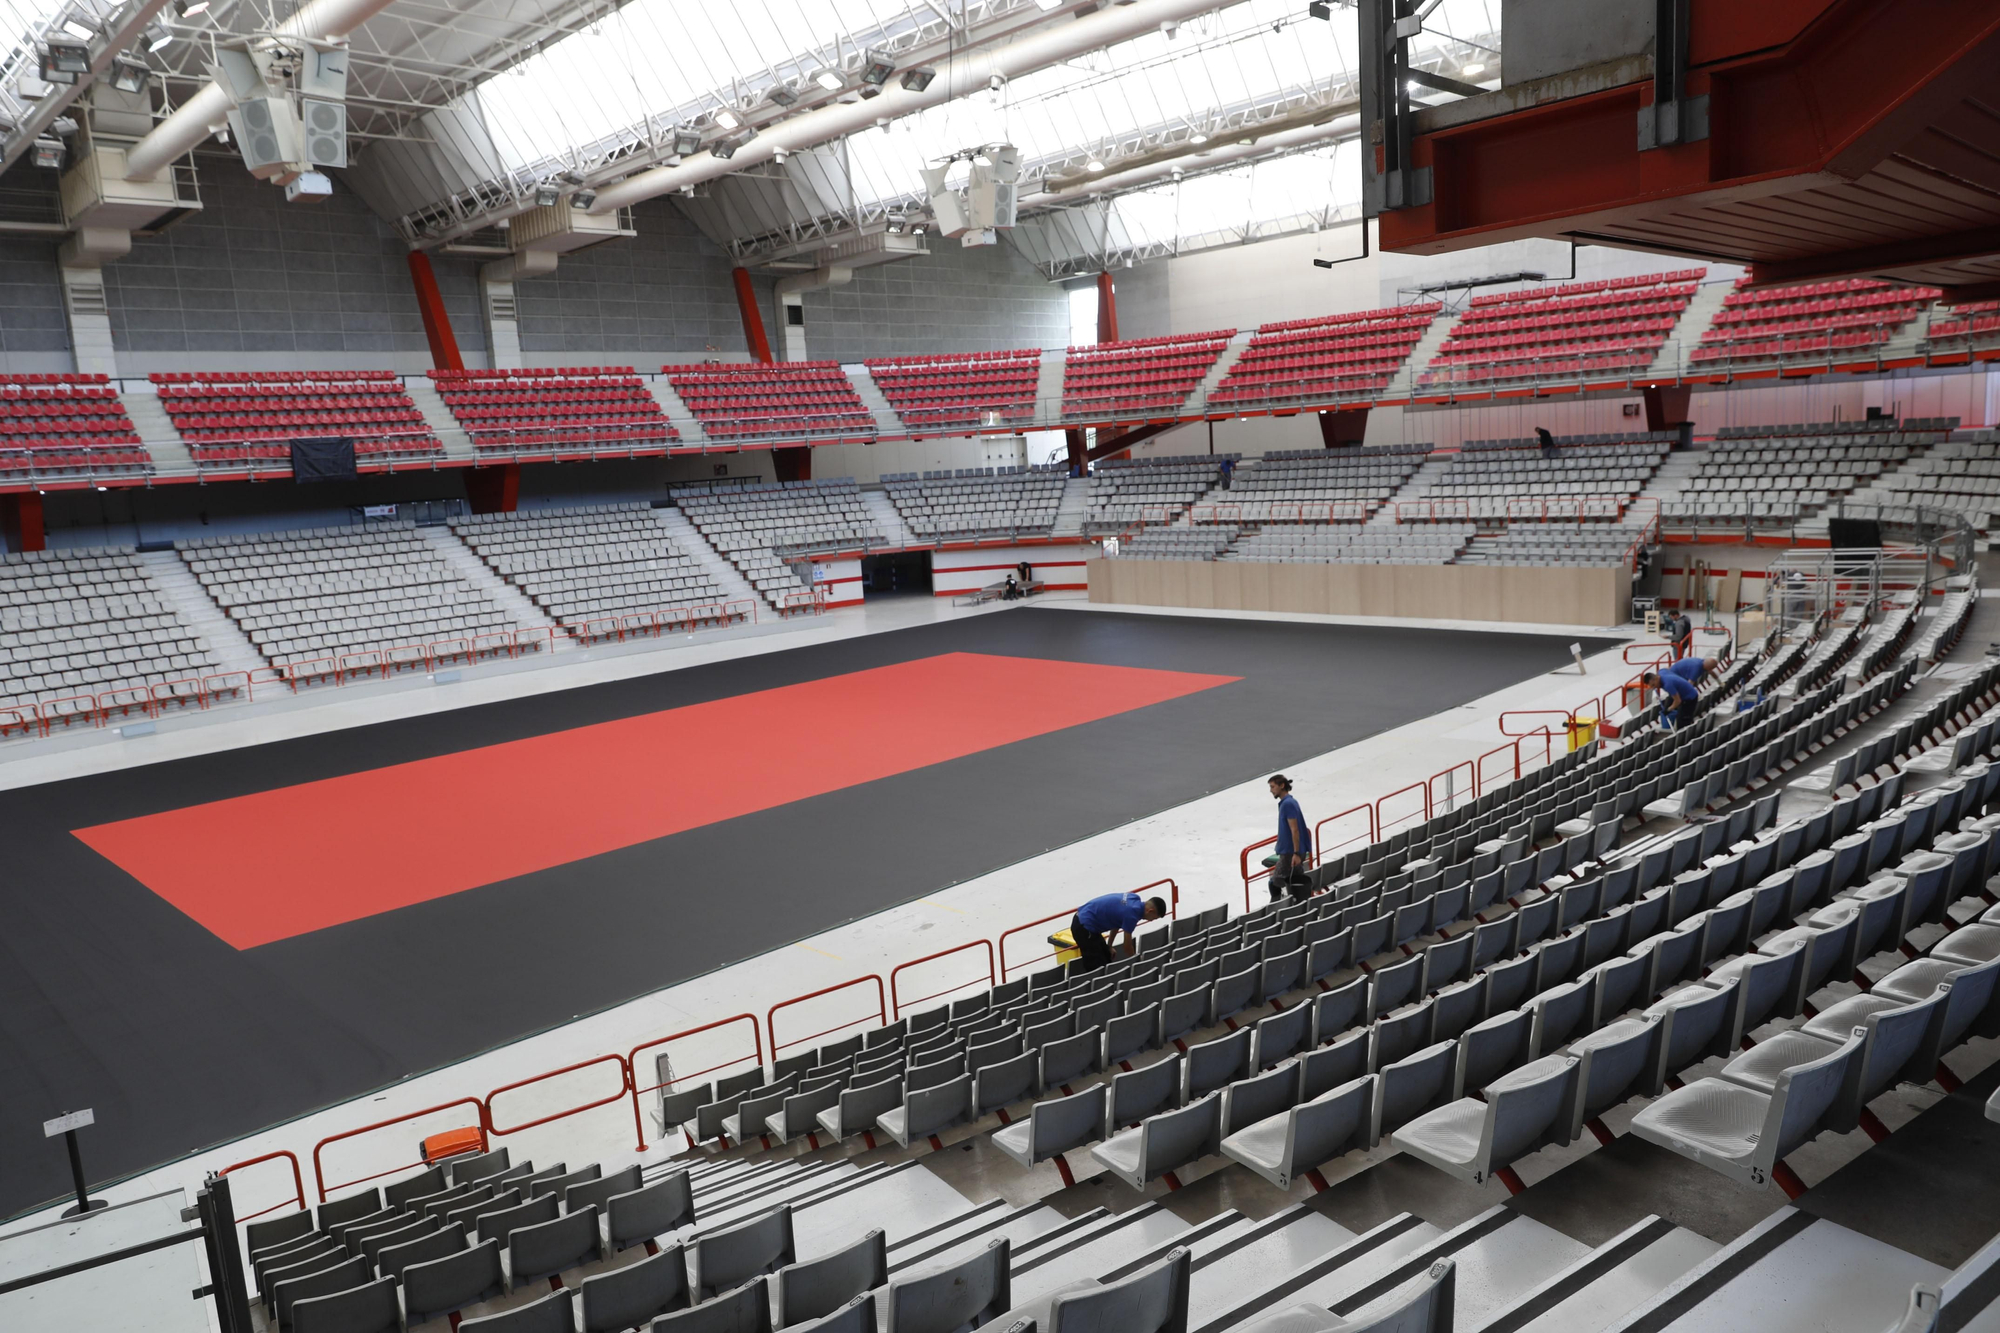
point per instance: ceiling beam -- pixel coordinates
(117, 36)
(1881, 260)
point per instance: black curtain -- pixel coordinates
(330, 459)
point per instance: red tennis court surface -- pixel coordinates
(264, 867)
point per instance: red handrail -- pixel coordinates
(1320, 848)
(895, 1000)
(1455, 795)
(624, 1086)
(1479, 769)
(298, 1182)
(1564, 714)
(1173, 911)
(771, 1015)
(632, 1061)
(1382, 825)
(319, 1171)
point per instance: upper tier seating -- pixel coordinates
(809, 399)
(316, 594)
(237, 417)
(579, 409)
(978, 502)
(752, 524)
(88, 622)
(581, 565)
(1317, 359)
(1613, 327)
(66, 423)
(1124, 491)
(1584, 477)
(1780, 474)
(1434, 544)
(1811, 320)
(1960, 475)
(1970, 324)
(1312, 485)
(1138, 377)
(946, 394)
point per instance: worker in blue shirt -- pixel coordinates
(1677, 692)
(1694, 669)
(1100, 918)
(1294, 852)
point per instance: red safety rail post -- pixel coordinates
(1564, 715)
(1445, 791)
(1512, 751)
(494, 1128)
(319, 1166)
(771, 1015)
(54, 711)
(298, 1182)
(25, 720)
(632, 1061)
(1173, 912)
(895, 973)
(1326, 849)
(1383, 823)
(227, 682)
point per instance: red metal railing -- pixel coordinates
(1563, 714)
(632, 1061)
(771, 1015)
(624, 1087)
(1383, 823)
(319, 1166)
(895, 973)
(1453, 791)
(298, 1182)
(1173, 911)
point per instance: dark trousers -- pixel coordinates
(1095, 952)
(1289, 877)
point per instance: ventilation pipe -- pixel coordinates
(965, 75)
(202, 114)
(790, 292)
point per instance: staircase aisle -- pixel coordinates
(1405, 380)
(888, 521)
(1416, 488)
(870, 393)
(1675, 354)
(457, 444)
(460, 560)
(683, 420)
(1198, 400)
(156, 431)
(177, 583)
(1073, 509)
(685, 535)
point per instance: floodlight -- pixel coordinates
(726, 148)
(897, 223)
(781, 94)
(919, 229)
(1046, 5)
(65, 58)
(916, 80)
(687, 141)
(1093, 165)
(187, 9)
(1197, 138)
(1474, 70)
(1169, 27)
(1319, 9)
(829, 80)
(158, 35)
(547, 195)
(78, 29)
(779, 155)
(48, 153)
(128, 75)
(583, 198)
(876, 67)
(727, 119)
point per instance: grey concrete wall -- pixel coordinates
(34, 334)
(664, 296)
(254, 282)
(952, 300)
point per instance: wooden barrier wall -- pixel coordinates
(1528, 595)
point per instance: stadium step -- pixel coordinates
(1198, 400)
(887, 519)
(460, 560)
(1405, 380)
(170, 574)
(1687, 330)
(1075, 506)
(1630, 1268)
(457, 444)
(156, 430)
(685, 421)
(1415, 488)
(1089, 1255)
(734, 586)
(870, 393)
(1049, 384)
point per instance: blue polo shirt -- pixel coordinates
(1113, 911)
(1688, 668)
(1288, 810)
(1679, 686)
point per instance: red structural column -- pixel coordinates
(1107, 310)
(21, 521)
(437, 324)
(753, 320)
(493, 490)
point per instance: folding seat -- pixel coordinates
(1337, 1010)
(1742, 1132)
(1509, 984)
(1696, 1023)
(1390, 988)
(556, 1183)
(1211, 1064)
(1395, 1037)
(1557, 960)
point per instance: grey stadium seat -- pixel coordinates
(550, 1314)
(1055, 1125)
(974, 1291)
(747, 1309)
(627, 1297)
(538, 1252)
(733, 1255)
(1164, 1142)
(1524, 1111)
(1280, 1149)
(818, 1287)
(637, 1217)
(1153, 1300)
(370, 1308)
(443, 1286)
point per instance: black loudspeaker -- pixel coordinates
(1847, 534)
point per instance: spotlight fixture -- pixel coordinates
(916, 80)
(779, 155)
(687, 141)
(547, 195)
(726, 148)
(781, 94)
(876, 67)
(919, 229)
(869, 90)
(157, 37)
(188, 9)
(583, 198)
(1093, 165)
(1474, 70)
(48, 153)
(687, 191)
(78, 29)
(727, 119)
(1322, 263)
(64, 59)
(996, 83)
(897, 223)
(1168, 27)
(829, 80)
(1197, 138)
(129, 75)
(1046, 5)
(1319, 9)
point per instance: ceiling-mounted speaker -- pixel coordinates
(267, 135)
(326, 132)
(323, 73)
